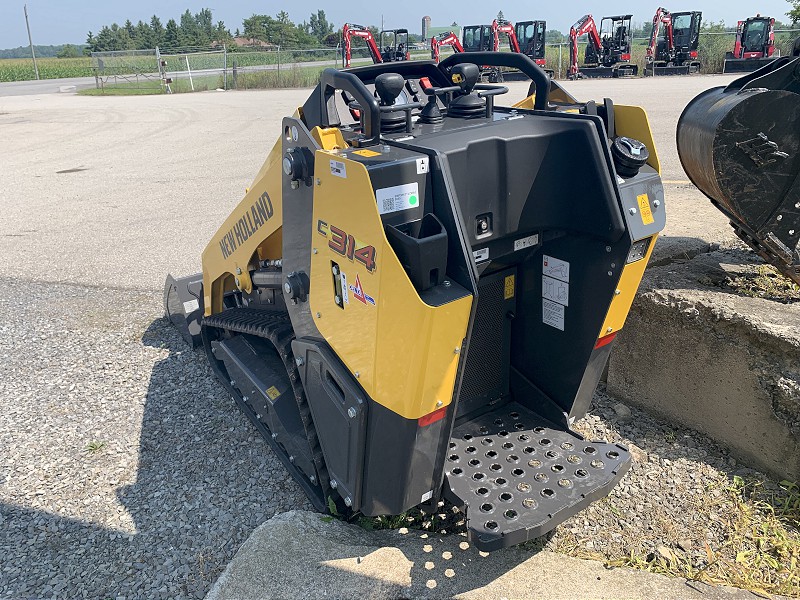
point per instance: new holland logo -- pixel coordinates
(359, 294)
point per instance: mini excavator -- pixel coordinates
(608, 50)
(410, 305)
(674, 40)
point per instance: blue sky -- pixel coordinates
(67, 21)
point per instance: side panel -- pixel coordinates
(405, 352)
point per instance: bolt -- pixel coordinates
(287, 288)
(294, 184)
(246, 398)
(299, 361)
(313, 479)
(233, 382)
(610, 329)
(656, 203)
(348, 501)
(439, 404)
(319, 181)
(446, 283)
(610, 273)
(274, 436)
(613, 265)
(335, 269)
(334, 484)
(291, 459)
(617, 292)
(314, 250)
(351, 412)
(632, 210)
(319, 315)
(608, 248)
(238, 271)
(357, 374)
(337, 300)
(457, 351)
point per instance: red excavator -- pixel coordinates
(755, 45)
(608, 53)
(673, 43)
(526, 37)
(394, 43)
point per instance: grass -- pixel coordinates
(21, 69)
(761, 550)
(765, 282)
(94, 447)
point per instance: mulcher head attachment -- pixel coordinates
(740, 146)
(183, 306)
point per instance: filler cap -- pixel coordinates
(630, 155)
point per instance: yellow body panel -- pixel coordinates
(627, 286)
(632, 122)
(245, 234)
(330, 138)
(405, 352)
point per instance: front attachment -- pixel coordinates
(183, 306)
(516, 480)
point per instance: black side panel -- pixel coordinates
(555, 359)
(339, 409)
(404, 461)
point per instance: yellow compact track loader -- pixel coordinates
(420, 290)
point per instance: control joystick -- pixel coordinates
(388, 87)
(466, 105)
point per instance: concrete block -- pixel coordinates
(698, 353)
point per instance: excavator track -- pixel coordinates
(242, 328)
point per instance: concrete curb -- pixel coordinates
(301, 554)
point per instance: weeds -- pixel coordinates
(765, 283)
(94, 447)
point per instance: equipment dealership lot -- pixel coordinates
(125, 469)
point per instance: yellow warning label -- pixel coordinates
(273, 392)
(644, 208)
(457, 78)
(366, 153)
(509, 288)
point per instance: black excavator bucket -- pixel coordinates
(183, 306)
(740, 145)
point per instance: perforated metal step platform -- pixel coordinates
(517, 480)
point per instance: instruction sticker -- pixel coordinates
(397, 197)
(555, 290)
(481, 255)
(526, 242)
(555, 268)
(345, 291)
(422, 165)
(644, 209)
(338, 169)
(553, 314)
(191, 306)
(367, 153)
(272, 392)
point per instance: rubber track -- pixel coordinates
(277, 328)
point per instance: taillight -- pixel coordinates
(625, 56)
(693, 53)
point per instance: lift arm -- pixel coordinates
(445, 39)
(508, 29)
(351, 30)
(585, 26)
(662, 17)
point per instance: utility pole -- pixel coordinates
(30, 41)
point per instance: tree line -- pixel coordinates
(200, 31)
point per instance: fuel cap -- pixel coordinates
(630, 155)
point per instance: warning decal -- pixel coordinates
(339, 169)
(509, 287)
(397, 197)
(272, 392)
(552, 314)
(555, 290)
(359, 294)
(555, 268)
(644, 209)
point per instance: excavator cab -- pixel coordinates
(686, 34)
(531, 38)
(394, 45)
(477, 38)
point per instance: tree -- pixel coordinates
(68, 51)
(794, 14)
(501, 18)
(319, 26)
(156, 31)
(171, 35)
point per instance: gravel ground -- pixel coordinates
(127, 472)
(177, 480)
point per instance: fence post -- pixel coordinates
(560, 46)
(225, 66)
(235, 85)
(279, 65)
